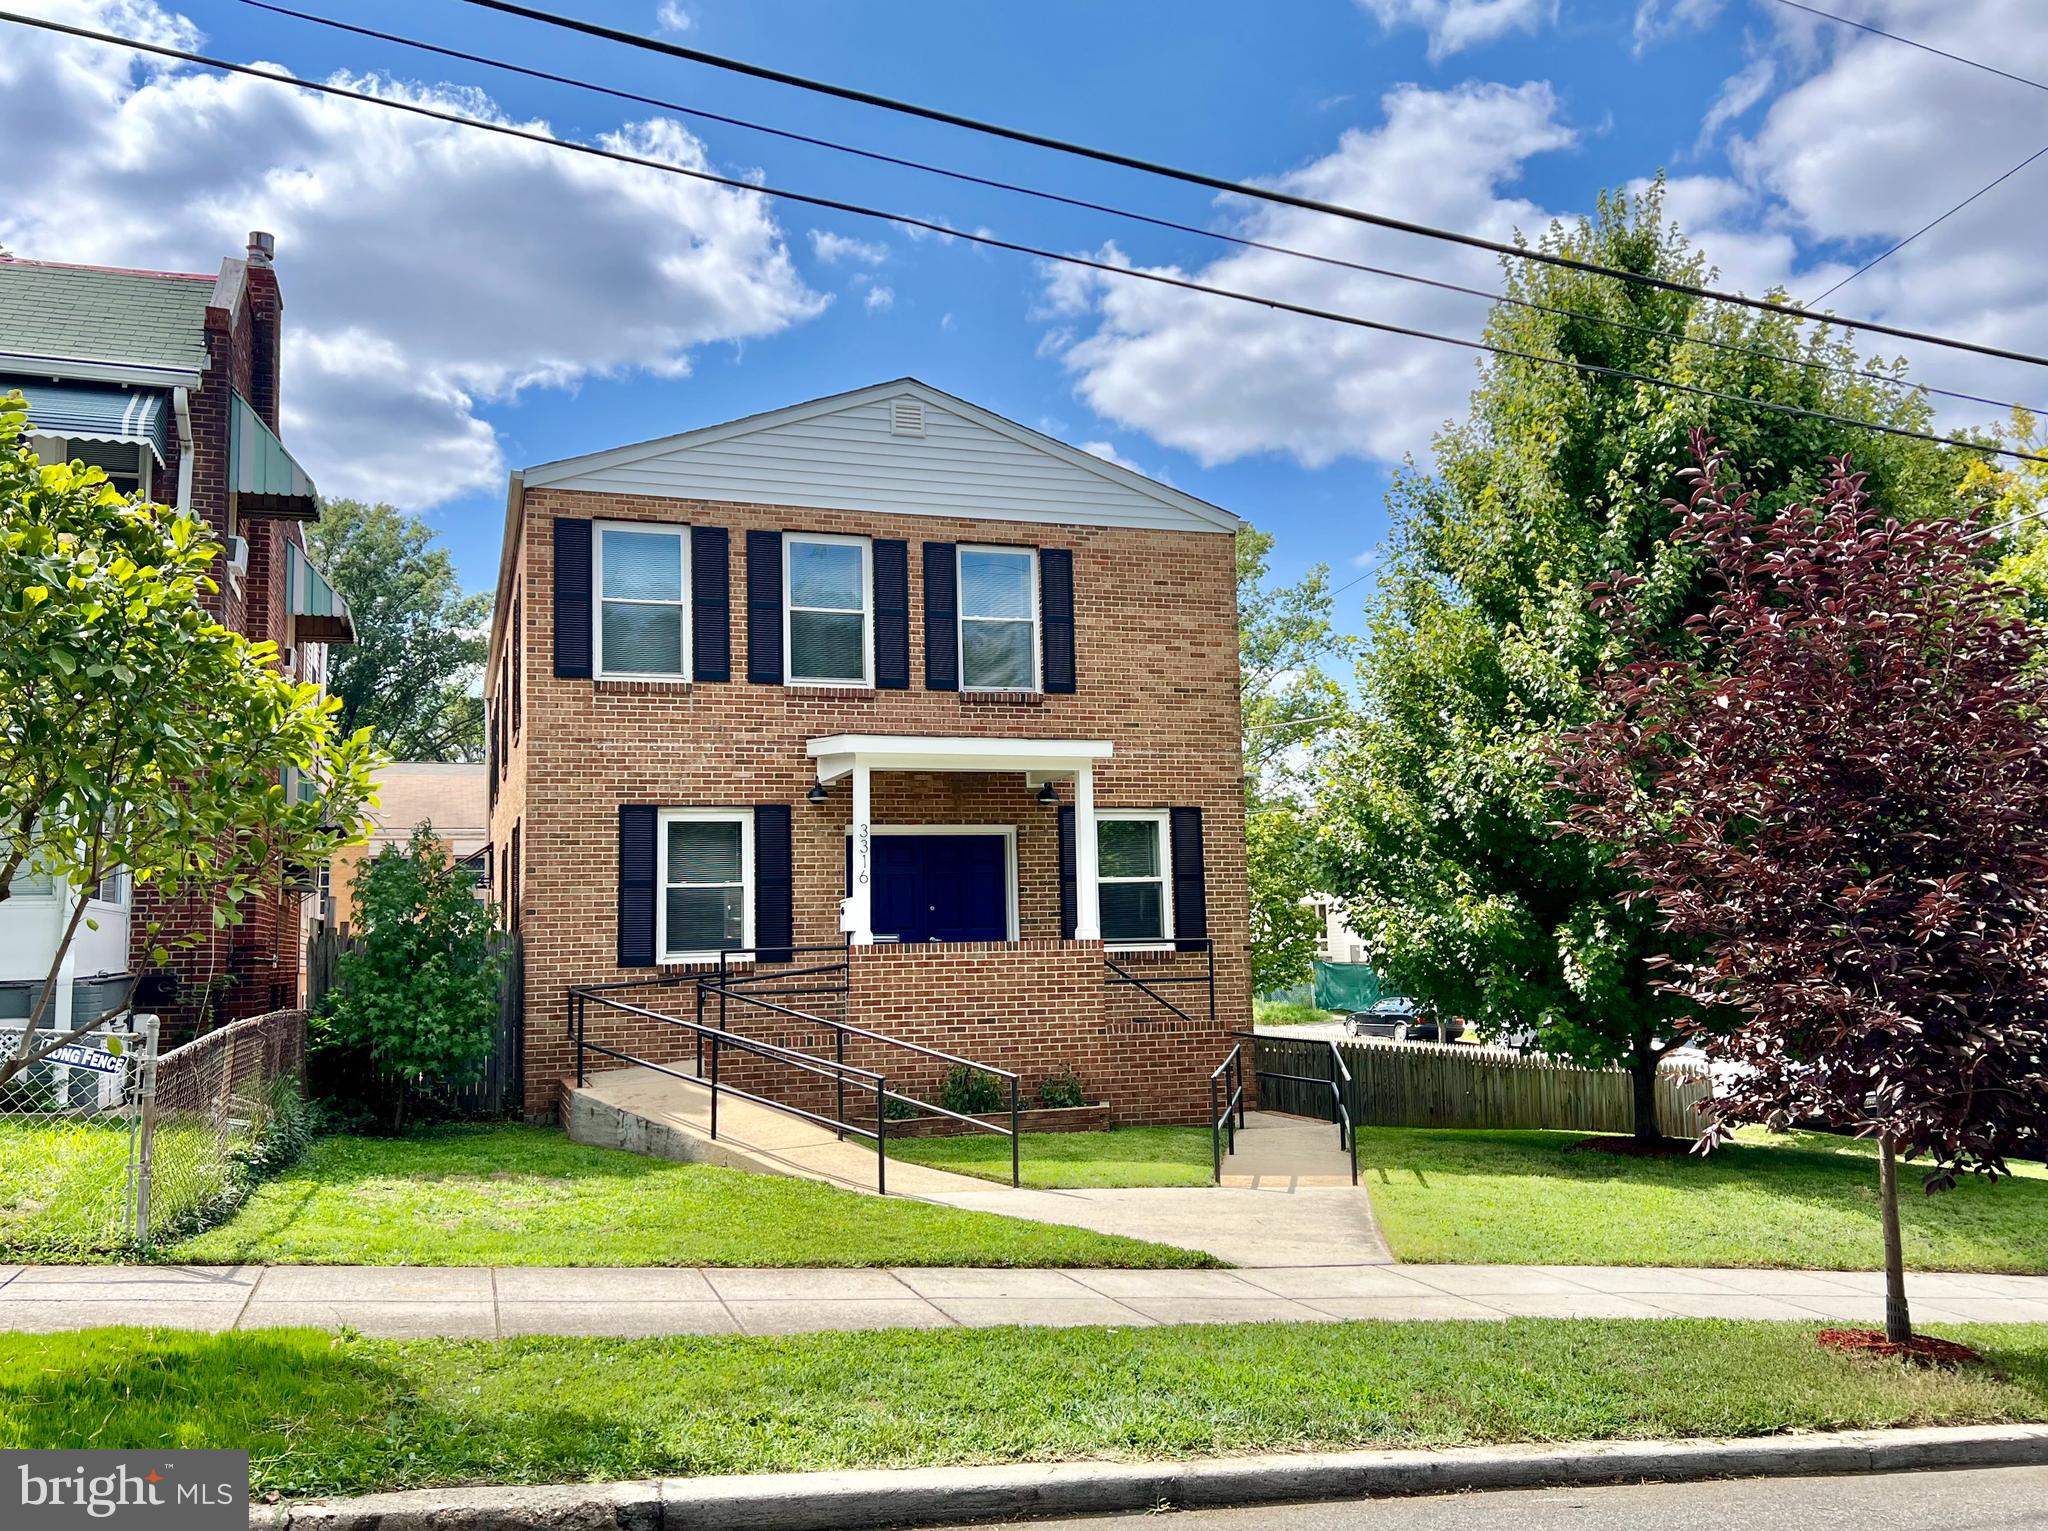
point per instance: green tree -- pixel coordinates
(412, 675)
(418, 993)
(1438, 804)
(138, 734)
(2013, 499)
(1285, 637)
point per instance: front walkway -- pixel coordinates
(484, 1302)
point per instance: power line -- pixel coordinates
(1220, 183)
(1158, 278)
(1082, 203)
(1877, 31)
(1932, 223)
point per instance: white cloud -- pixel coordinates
(672, 19)
(1657, 20)
(1107, 451)
(426, 268)
(834, 248)
(1222, 380)
(1869, 142)
(1454, 25)
(1739, 92)
(1367, 559)
(879, 300)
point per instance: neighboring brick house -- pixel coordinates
(446, 796)
(889, 672)
(169, 382)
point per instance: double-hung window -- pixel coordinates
(998, 619)
(643, 585)
(1135, 877)
(828, 632)
(707, 883)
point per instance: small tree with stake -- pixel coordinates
(1835, 789)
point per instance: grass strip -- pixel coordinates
(326, 1414)
(1128, 1156)
(517, 1195)
(1797, 1200)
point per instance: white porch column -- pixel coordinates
(860, 904)
(1087, 872)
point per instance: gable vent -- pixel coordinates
(906, 417)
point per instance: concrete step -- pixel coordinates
(1276, 1151)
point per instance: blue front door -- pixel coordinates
(940, 887)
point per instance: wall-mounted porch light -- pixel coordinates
(816, 794)
(1049, 795)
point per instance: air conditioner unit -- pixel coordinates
(238, 556)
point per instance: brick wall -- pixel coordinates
(1156, 643)
(255, 966)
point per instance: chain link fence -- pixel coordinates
(108, 1146)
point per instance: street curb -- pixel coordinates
(838, 1501)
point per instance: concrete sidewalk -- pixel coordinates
(485, 1302)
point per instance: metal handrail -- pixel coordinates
(1231, 1116)
(837, 1071)
(841, 1030)
(1347, 1134)
(1124, 977)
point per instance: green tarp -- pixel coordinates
(1346, 986)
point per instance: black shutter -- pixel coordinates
(1190, 881)
(774, 892)
(1070, 888)
(892, 615)
(512, 877)
(637, 875)
(764, 608)
(1056, 616)
(941, 618)
(710, 603)
(517, 643)
(572, 598)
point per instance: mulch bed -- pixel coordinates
(1921, 1349)
(1633, 1148)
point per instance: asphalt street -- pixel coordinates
(1989, 1499)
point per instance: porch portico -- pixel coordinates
(1040, 761)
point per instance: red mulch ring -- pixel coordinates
(1921, 1349)
(1633, 1148)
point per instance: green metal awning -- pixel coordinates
(96, 412)
(263, 478)
(319, 614)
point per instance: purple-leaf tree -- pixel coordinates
(1835, 788)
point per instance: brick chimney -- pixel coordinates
(266, 308)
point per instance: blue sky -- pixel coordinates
(455, 310)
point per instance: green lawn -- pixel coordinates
(63, 1185)
(1065, 1160)
(511, 1195)
(1289, 1012)
(321, 1413)
(1803, 1200)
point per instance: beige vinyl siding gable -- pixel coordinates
(849, 458)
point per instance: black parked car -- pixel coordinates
(1397, 1017)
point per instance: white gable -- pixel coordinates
(865, 451)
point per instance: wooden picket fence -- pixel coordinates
(1429, 1084)
(499, 1091)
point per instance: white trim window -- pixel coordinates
(707, 883)
(30, 880)
(1134, 887)
(828, 631)
(998, 595)
(642, 616)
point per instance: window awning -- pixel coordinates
(319, 614)
(96, 412)
(263, 478)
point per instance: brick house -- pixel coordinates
(888, 680)
(169, 382)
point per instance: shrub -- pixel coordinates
(1061, 1091)
(418, 995)
(972, 1092)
